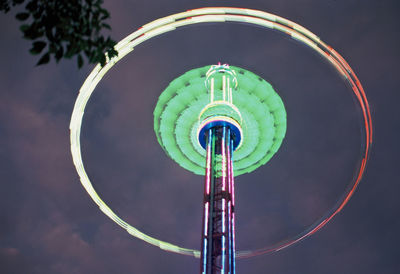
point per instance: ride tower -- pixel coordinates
(219, 134)
(218, 121)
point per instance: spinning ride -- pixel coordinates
(217, 131)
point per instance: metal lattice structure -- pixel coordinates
(218, 235)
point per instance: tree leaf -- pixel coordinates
(22, 16)
(24, 27)
(59, 54)
(32, 32)
(102, 59)
(80, 61)
(105, 14)
(44, 59)
(106, 26)
(32, 6)
(4, 6)
(37, 47)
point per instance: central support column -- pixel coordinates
(218, 240)
(219, 134)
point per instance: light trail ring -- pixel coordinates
(206, 15)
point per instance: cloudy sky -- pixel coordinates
(50, 225)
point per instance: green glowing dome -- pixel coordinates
(176, 120)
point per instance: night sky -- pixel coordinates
(49, 224)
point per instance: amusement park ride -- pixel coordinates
(210, 120)
(219, 121)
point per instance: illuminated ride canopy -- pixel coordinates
(221, 15)
(176, 119)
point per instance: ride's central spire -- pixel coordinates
(220, 111)
(220, 135)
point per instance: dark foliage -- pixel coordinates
(64, 29)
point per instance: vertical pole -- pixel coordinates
(218, 253)
(232, 208)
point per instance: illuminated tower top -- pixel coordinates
(220, 110)
(184, 106)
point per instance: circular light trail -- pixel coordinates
(222, 14)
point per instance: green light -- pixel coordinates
(176, 120)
